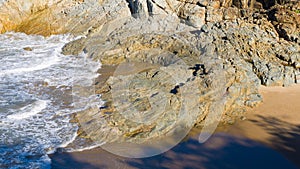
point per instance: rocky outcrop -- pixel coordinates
(228, 58)
(29, 17)
(58, 17)
(286, 20)
(77, 16)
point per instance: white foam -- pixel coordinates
(86, 148)
(47, 76)
(46, 52)
(41, 66)
(29, 110)
(64, 144)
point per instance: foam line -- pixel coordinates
(29, 110)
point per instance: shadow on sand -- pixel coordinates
(285, 136)
(221, 151)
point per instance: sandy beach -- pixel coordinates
(275, 122)
(268, 138)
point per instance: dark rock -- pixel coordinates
(28, 48)
(74, 47)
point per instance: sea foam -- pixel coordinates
(29, 110)
(36, 97)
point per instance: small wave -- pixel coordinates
(86, 148)
(64, 144)
(29, 110)
(41, 66)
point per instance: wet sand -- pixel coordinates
(268, 138)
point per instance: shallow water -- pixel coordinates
(37, 97)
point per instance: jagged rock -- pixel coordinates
(194, 15)
(231, 13)
(74, 48)
(286, 21)
(215, 4)
(52, 17)
(226, 3)
(241, 3)
(297, 78)
(250, 54)
(214, 15)
(202, 54)
(203, 2)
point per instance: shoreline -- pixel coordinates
(262, 135)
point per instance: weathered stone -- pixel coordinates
(52, 17)
(286, 21)
(297, 76)
(203, 2)
(214, 15)
(194, 15)
(231, 13)
(289, 76)
(74, 48)
(215, 4)
(28, 48)
(226, 3)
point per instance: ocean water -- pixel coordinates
(37, 97)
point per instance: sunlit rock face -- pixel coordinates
(56, 17)
(30, 16)
(77, 16)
